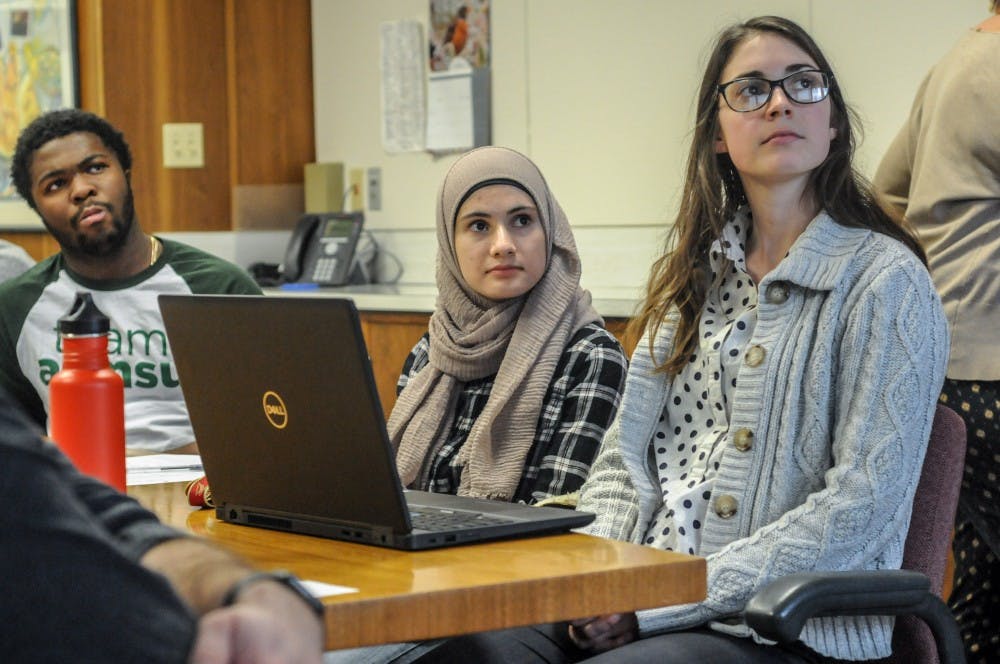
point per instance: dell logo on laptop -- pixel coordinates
(274, 410)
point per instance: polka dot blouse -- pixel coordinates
(685, 443)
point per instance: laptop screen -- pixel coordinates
(284, 406)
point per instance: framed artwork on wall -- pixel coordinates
(38, 73)
(459, 29)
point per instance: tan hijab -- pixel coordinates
(519, 340)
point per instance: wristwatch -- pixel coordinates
(283, 577)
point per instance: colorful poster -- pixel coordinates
(460, 29)
(37, 74)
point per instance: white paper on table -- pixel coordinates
(162, 468)
(320, 590)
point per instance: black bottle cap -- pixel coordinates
(84, 318)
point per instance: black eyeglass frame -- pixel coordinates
(779, 82)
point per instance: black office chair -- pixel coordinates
(780, 610)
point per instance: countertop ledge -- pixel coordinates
(421, 298)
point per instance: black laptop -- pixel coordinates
(291, 432)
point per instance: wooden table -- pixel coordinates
(404, 596)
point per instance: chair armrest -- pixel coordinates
(780, 610)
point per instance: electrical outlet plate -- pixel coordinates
(374, 188)
(357, 184)
(183, 145)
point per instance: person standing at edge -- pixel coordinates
(942, 172)
(73, 168)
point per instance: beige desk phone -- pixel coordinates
(321, 249)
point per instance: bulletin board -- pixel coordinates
(436, 92)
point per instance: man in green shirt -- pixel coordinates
(73, 168)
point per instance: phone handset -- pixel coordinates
(297, 245)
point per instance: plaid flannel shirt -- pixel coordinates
(579, 405)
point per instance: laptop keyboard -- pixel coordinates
(438, 520)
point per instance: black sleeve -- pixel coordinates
(73, 587)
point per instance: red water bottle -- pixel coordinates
(87, 397)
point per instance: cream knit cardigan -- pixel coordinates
(841, 411)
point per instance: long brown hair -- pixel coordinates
(679, 279)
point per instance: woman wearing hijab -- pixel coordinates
(509, 393)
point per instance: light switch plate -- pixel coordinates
(374, 188)
(183, 145)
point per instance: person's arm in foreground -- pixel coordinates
(92, 576)
(266, 623)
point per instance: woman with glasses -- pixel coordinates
(778, 406)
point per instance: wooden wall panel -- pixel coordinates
(242, 68)
(390, 337)
(39, 244)
(90, 55)
(272, 100)
(165, 61)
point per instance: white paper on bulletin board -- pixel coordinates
(403, 58)
(450, 111)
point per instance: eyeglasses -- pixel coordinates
(807, 86)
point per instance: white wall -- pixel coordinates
(600, 92)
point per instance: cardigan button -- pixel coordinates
(725, 507)
(777, 292)
(743, 440)
(755, 356)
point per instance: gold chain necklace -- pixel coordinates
(154, 250)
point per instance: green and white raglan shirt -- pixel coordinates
(156, 418)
